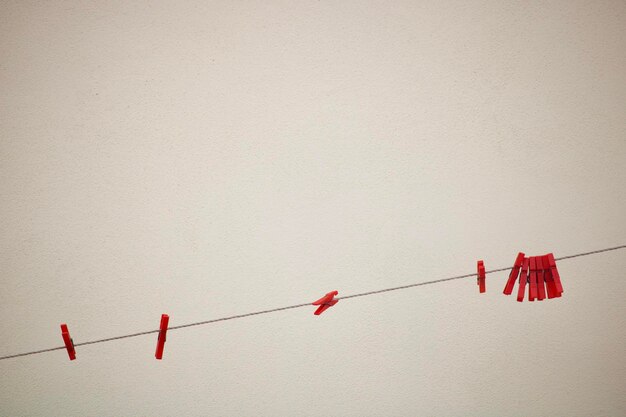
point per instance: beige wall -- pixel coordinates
(206, 159)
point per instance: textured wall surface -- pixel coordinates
(206, 159)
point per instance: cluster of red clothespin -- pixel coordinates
(324, 303)
(539, 273)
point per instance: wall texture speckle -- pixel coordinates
(205, 159)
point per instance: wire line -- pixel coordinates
(256, 313)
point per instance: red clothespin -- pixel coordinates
(508, 289)
(555, 273)
(325, 302)
(541, 287)
(532, 290)
(523, 279)
(480, 276)
(550, 285)
(69, 343)
(161, 339)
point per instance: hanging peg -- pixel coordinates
(555, 273)
(550, 285)
(69, 343)
(523, 280)
(541, 287)
(161, 339)
(480, 276)
(325, 302)
(532, 285)
(508, 289)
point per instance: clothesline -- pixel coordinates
(256, 313)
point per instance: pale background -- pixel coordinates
(205, 159)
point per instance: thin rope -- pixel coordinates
(256, 313)
(31, 353)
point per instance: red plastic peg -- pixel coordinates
(508, 289)
(541, 286)
(480, 276)
(523, 279)
(532, 290)
(550, 285)
(69, 343)
(325, 302)
(555, 274)
(161, 339)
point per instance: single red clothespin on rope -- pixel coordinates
(162, 333)
(541, 286)
(69, 343)
(555, 273)
(550, 285)
(508, 288)
(480, 276)
(325, 302)
(532, 290)
(523, 280)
